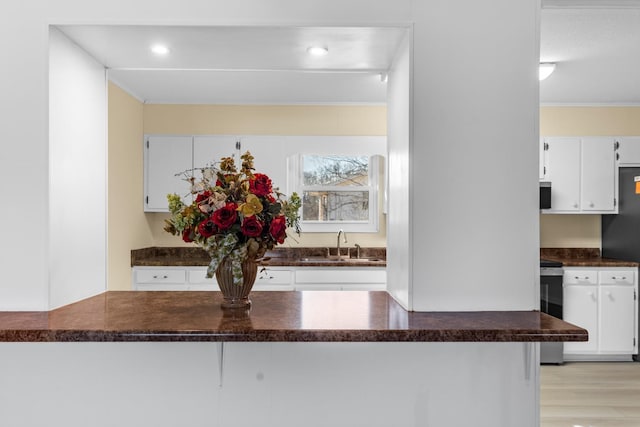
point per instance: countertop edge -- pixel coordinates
(275, 316)
(280, 336)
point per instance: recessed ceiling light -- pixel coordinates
(317, 50)
(159, 49)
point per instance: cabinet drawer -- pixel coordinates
(198, 277)
(273, 277)
(160, 287)
(160, 276)
(622, 277)
(580, 277)
(341, 275)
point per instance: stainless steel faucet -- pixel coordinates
(345, 240)
(357, 250)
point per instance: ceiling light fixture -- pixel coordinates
(159, 49)
(317, 50)
(546, 68)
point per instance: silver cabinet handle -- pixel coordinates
(164, 277)
(584, 278)
(619, 278)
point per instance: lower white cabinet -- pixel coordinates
(341, 278)
(603, 301)
(269, 279)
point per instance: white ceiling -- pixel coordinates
(244, 64)
(597, 51)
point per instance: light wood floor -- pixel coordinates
(585, 394)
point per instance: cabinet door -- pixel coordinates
(563, 170)
(617, 322)
(629, 150)
(542, 160)
(581, 309)
(165, 156)
(208, 150)
(270, 158)
(598, 174)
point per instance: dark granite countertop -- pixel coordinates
(583, 257)
(278, 257)
(309, 316)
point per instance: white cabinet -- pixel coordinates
(210, 149)
(268, 279)
(341, 278)
(159, 278)
(194, 279)
(629, 150)
(583, 174)
(164, 157)
(268, 152)
(603, 301)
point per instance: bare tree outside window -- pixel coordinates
(335, 188)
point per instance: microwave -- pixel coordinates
(545, 195)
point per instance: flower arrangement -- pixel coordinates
(237, 215)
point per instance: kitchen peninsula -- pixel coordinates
(295, 358)
(320, 316)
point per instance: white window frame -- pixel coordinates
(296, 183)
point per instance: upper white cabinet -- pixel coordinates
(629, 150)
(583, 174)
(210, 149)
(164, 157)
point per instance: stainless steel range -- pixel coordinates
(551, 293)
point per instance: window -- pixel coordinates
(338, 191)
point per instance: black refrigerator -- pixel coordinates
(621, 232)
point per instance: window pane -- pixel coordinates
(335, 206)
(336, 170)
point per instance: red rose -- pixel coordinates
(278, 229)
(187, 235)
(225, 216)
(251, 227)
(207, 228)
(203, 196)
(260, 185)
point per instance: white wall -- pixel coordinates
(474, 164)
(399, 115)
(473, 143)
(77, 170)
(24, 174)
(24, 171)
(474, 128)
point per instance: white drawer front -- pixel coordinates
(580, 277)
(160, 276)
(199, 277)
(343, 275)
(273, 277)
(160, 287)
(621, 277)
